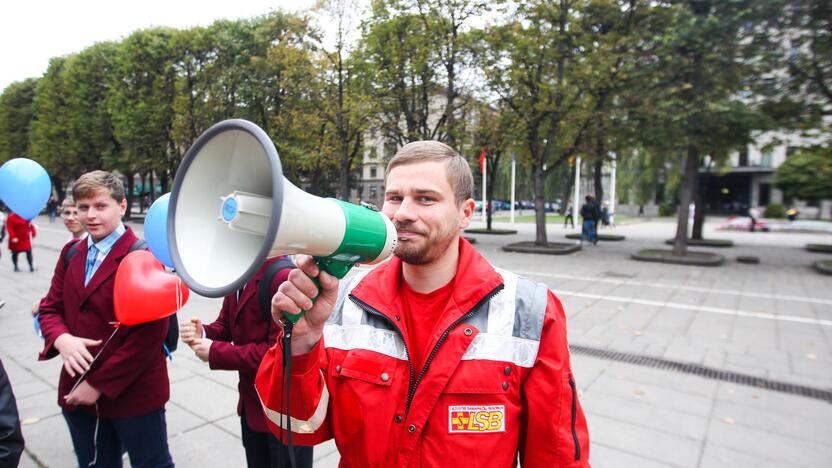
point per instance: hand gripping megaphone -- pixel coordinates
(231, 208)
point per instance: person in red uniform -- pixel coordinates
(434, 358)
(21, 233)
(237, 341)
(114, 382)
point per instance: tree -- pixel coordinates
(345, 84)
(15, 117)
(550, 65)
(806, 174)
(707, 51)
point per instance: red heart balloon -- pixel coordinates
(144, 291)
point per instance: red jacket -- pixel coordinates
(18, 228)
(131, 374)
(496, 385)
(242, 335)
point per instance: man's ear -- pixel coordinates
(123, 206)
(466, 211)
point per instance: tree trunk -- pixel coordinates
(699, 202)
(686, 190)
(130, 186)
(597, 175)
(152, 188)
(164, 181)
(59, 189)
(539, 213)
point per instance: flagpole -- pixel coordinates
(484, 187)
(576, 201)
(512, 187)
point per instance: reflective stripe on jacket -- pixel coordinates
(496, 384)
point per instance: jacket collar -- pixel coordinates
(108, 266)
(250, 289)
(474, 279)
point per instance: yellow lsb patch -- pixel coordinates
(476, 419)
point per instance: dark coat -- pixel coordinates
(11, 438)
(20, 229)
(131, 373)
(242, 334)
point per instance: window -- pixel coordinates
(373, 192)
(372, 153)
(743, 160)
(373, 172)
(765, 160)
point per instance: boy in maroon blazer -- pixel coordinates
(237, 340)
(114, 383)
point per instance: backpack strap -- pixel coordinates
(264, 288)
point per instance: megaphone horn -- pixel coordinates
(231, 209)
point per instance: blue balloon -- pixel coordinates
(24, 187)
(156, 230)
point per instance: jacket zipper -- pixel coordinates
(412, 386)
(574, 416)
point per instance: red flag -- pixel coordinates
(482, 161)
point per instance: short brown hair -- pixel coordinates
(68, 201)
(93, 183)
(459, 172)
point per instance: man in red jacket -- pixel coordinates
(434, 358)
(114, 383)
(237, 341)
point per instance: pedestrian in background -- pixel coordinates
(590, 214)
(21, 233)
(570, 218)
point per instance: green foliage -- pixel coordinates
(774, 210)
(15, 116)
(806, 174)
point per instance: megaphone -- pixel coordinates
(231, 208)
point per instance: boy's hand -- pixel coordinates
(202, 348)
(190, 330)
(84, 394)
(74, 352)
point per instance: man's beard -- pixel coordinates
(433, 244)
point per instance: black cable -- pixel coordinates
(287, 379)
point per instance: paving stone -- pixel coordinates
(230, 424)
(775, 402)
(651, 394)
(49, 440)
(768, 445)
(207, 446)
(720, 457)
(204, 397)
(685, 383)
(646, 415)
(781, 423)
(602, 456)
(656, 445)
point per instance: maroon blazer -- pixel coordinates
(131, 373)
(242, 335)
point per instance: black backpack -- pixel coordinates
(172, 338)
(264, 288)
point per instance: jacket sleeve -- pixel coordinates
(140, 347)
(51, 308)
(246, 357)
(33, 230)
(11, 437)
(554, 432)
(219, 329)
(310, 400)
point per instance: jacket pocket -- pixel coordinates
(366, 366)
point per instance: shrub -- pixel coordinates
(774, 210)
(667, 209)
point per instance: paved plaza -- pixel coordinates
(677, 366)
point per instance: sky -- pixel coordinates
(33, 31)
